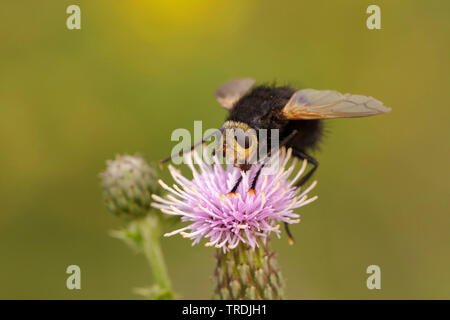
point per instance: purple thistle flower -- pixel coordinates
(242, 217)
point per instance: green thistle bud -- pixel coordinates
(127, 184)
(246, 273)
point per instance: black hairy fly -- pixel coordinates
(297, 115)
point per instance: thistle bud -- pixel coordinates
(246, 273)
(128, 183)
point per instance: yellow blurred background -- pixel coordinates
(137, 70)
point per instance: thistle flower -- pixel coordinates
(244, 273)
(127, 184)
(243, 217)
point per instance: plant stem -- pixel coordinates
(149, 228)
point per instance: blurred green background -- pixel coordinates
(137, 70)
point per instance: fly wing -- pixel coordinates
(229, 93)
(309, 104)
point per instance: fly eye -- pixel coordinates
(243, 138)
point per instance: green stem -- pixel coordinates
(150, 231)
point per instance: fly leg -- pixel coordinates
(236, 185)
(302, 155)
(255, 180)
